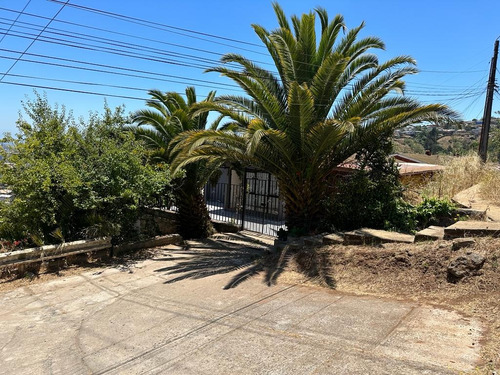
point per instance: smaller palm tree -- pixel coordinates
(169, 115)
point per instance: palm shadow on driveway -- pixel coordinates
(212, 257)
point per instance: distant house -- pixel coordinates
(5, 195)
(413, 168)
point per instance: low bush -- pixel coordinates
(431, 210)
(373, 197)
(75, 181)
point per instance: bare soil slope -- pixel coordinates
(416, 272)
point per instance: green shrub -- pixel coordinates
(75, 181)
(371, 196)
(431, 210)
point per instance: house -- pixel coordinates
(5, 195)
(261, 193)
(414, 169)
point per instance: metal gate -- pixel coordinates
(250, 201)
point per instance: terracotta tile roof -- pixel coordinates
(419, 158)
(406, 169)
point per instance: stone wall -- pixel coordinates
(154, 221)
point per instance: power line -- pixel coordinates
(125, 53)
(149, 23)
(34, 40)
(188, 79)
(17, 18)
(76, 91)
(122, 34)
(117, 43)
(85, 82)
(169, 28)
(115, 51)
(100, 49)
(106, 41)
(184, 56)
(453, 71)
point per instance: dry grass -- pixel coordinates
(418, 272)
(460, 173)
(490, 185)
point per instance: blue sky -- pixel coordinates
(452, 42)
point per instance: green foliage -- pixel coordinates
(413, 146)
(330, 99)
(75, 181)
(168, 115)
(429, 139)
(494, 145)
(371, 196)
(430, 210)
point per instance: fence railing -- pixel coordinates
(224, 202)
(248, 206)
(252, 205)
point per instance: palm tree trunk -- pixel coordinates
(193, 220)
(302, 206)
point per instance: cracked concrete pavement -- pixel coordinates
(132, 322)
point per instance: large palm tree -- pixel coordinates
(328, 99)
(169, 115)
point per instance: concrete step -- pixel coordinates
(375, 236)
(333, 239)
(463, 229)
(432, 233)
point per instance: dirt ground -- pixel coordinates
(416, 272)
(12, 278)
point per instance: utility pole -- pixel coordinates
(485, 130)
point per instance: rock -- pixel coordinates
(296, 245)
(279, 244)
(465, 265)
(478, 215)
(313, 240)
(375, 236)
(432, 233)
(460, 243)
(224, 227)
(472, 229)
(332, 239)
(402, 258)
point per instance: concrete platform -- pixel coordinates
(432, 233)
(375, 236)
(471, 198)
(120, 321)
(472, 229)
(333, 239)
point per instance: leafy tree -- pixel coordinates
(170, 115)
(329, 99)
(371, 196)
(78, 181)
(429, 139)
(494, 144)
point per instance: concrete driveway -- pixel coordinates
(129, 321)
